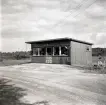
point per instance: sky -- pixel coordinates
(29, 20)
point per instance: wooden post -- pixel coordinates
(53, 51)
(0, 56)
(46, 51)
(38, 52)
(60, 50)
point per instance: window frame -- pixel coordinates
(54, 50)
(33, 54)
(44, 52)
(67, 50)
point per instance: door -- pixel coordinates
(49, 53)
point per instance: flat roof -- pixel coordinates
(59, 39)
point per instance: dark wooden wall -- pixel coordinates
(38, 59)
(55, 59)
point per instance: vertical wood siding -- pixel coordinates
(79, 54)
(38, 59)
(55, 59)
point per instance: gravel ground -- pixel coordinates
(57, 84)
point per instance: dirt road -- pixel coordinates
(58, 84)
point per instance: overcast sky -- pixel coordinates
(26, 20)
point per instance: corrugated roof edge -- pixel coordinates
(58, 39)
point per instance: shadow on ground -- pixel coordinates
(11, 95)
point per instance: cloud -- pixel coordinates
(22, 6)
(14, 6)
(10, 45)
(41, 19)
(101, 38)
(97, 12)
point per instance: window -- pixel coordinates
(49, 51)
(42, 51)
(64, 50)
(35, 51)
(87, 48)
(56, 50)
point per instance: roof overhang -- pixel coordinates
(58, 39)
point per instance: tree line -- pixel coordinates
(16, 55)
(98, 51)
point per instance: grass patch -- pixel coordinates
(96, 71)
(14, 62)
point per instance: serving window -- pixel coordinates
(53, 51)
(42, 51)
(35, 51)
(64, 50)
(56, 50)
(49, 51)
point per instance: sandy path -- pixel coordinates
(58, 84)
